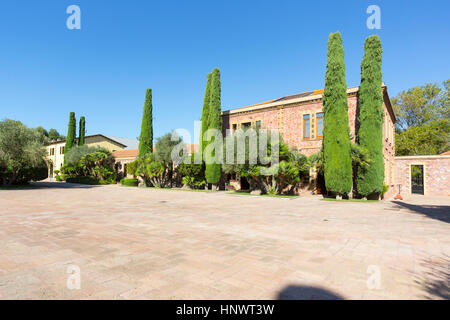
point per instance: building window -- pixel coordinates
(246, 125)
(61, 150)
(234, 126)
(319, 119)
(258, 124)
(52, 151)
(306, 122)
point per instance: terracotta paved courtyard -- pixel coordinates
(132, 243)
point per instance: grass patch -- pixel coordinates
(348, 200)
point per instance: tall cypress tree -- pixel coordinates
(336, 131)
(71, 133)
(213, 170)
(82, 131)
(205, 112)
(370, 135)
(146, 137)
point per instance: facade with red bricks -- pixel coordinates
(299, 120)
(433, 171)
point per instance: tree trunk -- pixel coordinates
(13, 177)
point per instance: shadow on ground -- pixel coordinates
(58, 185)
(436, 279)
(295, 292)
(441, 213)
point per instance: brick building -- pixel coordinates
(427, 175)
(299, 118)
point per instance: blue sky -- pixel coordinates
(264, 49)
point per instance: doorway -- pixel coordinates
(417, 179)
(51, 170)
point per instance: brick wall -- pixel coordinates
(436, 174)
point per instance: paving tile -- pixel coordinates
(137, 243)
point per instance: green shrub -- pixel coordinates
(109, 181)
(35, 173)
(370, 134)
(336, 131)
(146, 137)
(213, 169)
(73, 156)
(83, 180)
(129, 182)
(384, 190)
(193, 174)
(58, 178)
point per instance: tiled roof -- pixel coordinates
(127, 153)
(447, 153)
(129, 143)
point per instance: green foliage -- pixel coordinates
(384, 190)
(82, 131)
(360, 159)
(336, 135)
(99, 165)
(129, 182)
(431, 138)
(83, 180)
(291, 171)
(164, 146)
(193, 174)
(146, 137)
(370, 134)
(74, 155)
(42, 131)
(205, 112)
(151, 171)
(213, 169)
(266, 174)
(53, 134)
(58, 178)
(22, 153)
(156, 169)
(70, 140)
(423, 115)
(422, 104)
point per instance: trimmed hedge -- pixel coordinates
(83, 180)
(129, 182)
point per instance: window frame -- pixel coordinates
(304, 127)
(317, 123)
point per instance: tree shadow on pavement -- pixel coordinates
(296, 292)
(59, 185)
(435, 281)
(441, 213)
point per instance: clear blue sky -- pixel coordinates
(264, 49)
